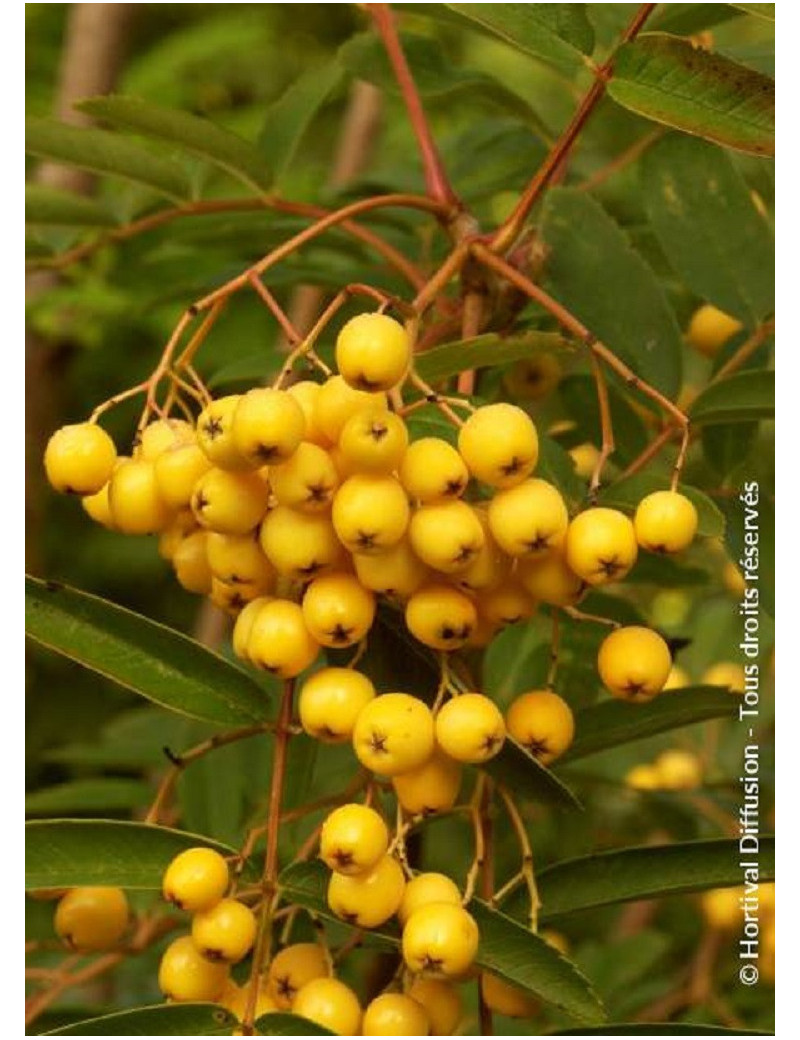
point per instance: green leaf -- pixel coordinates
(53, 206)
(658, 1029)
(556, 465)
(611, 723)
(527, 778)
(449, 359)
(522, 958)
(279, 1024)
(669, 81)
(555, 32)
(104, 152)
(66, 853)
(625, 306)
(743, 397)
(727, 447)
(579, 394)
(506, 947)
(626, 495)
(288, 118)
(155, 661)
(434, 72)
(643, 872)
(702, 212)
(191, 133)
(158, 1020)
(759, 10)
(109, 793)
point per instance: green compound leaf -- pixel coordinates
(766, 11)
(612, 723)
(627, 493)
(148, 658)
(595, 272)
(66, 853)
(507, 948)
(703, 214)
(743, 397)
(642, 872)
(185, 131)
(449, 359)
(158, 1020)
(666, 79)
(103, 152)
(555, 32)
(278, 1024)
(58, 208)
(91, 795)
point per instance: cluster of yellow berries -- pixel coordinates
(294, 509)
(672, 770)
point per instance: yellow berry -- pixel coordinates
(370, 513)
(235, 999)
(499, 444)
(368, 900)
(196, 879)
(432, 469)
(427, 888)
(232, 598)
(550, 580)
(237, 559)
(490, 566)
(542, 722)
(555, 939)
(506, 604)
(225, 932)
(185, 975)
(442, 1001)
(180, 526)
(395, 1014)
(634, 663)
(394, 734)
(279, 641)
(178, 470)
(677, 678)
(300, 545)
(190, 563)
(338, 610)
(336, 402)
(665, 522)
(440, 939)
(470, 728)
(79, 459)
(441, 617)
(306, 393)
(244, 625)
(506, 999)
(135, 504)
(307, 481)
(292, 968)
(732, 578)
(331, 701)
(373, 352)
(584, 459)
(529, 519)
(396, 572)
(432, 787)
(446, 535)
(161, 435)
(214, 432)
(373, 441)
(331, 1004)
(268, 426)
(601, 545)
(725, 673)
(722, 908)
(678, 770)
(229, 502)
(643, 777)
(98, 507)
(91, 919)
(353, 839)
(710, 329)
